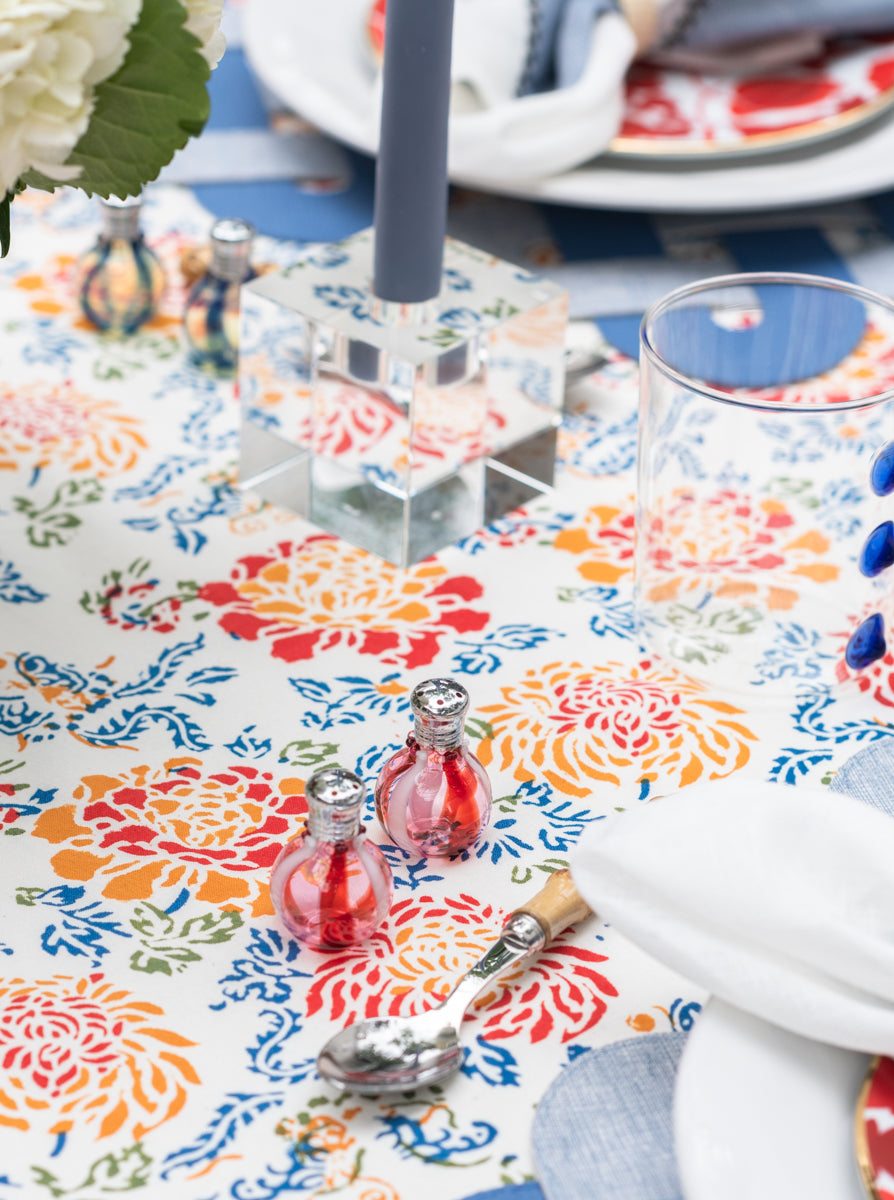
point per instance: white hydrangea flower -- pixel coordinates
(53, 53)
(203, 20)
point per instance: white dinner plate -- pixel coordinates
(762, 1114)
(314, 58)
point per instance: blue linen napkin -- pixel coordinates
(869, 775)
(603, 1130)
(560, 30)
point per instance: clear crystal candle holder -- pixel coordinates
(400, 428)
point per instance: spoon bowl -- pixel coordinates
(390, 1055)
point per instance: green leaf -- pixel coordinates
(153, 104)
(307, 753)
(522, 874)
(4, 224)
(476, 727)
(140, 962)
(168, 949)
(506, 804)
(154, 922)
(5, 205)
(48, 524)
(212, 927)
(123, 1172)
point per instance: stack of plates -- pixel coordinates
(760, 1112)
(689, 143)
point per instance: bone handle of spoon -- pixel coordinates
(557, 905)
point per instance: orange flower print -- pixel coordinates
(88, 1052)
(605, 542)
(319, 594)
(579, 727)
(44, 423)
(52, 290)
(426, 945)
(543, 326)
(751, 549)
(154, 828)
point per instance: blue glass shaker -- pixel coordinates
(120, 280)
(211, 316)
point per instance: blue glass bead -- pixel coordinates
(881, 471)
(878, 549)
(867, 643)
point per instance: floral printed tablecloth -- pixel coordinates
(178, 657)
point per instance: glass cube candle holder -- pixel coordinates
(400, 428)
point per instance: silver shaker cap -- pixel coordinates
(121, 218)
(439, 708)
(231, 245)
(334, 802)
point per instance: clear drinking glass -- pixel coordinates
(765, 481)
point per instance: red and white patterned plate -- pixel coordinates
(677, 113)
(317, 59)
(875, 1130)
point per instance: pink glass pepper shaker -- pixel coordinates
(330, 886)
(434, 797)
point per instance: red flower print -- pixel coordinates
(426, 945)
(43, 423)
(86, 1051)
(322, 593)
(738, 538)
(154, 828)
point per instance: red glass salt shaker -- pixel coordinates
(433, 797)
(330, 886)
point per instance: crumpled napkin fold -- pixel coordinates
(778, 899)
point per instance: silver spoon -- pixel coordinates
(398, 1054)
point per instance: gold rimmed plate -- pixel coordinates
(874, 1130)
(677, 115)
(315, 59)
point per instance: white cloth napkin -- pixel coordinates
(498, 135)
(778, 899)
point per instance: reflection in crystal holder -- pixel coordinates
(401, 429)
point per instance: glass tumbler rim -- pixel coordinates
(749, 279)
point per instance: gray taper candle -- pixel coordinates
(411, 175)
